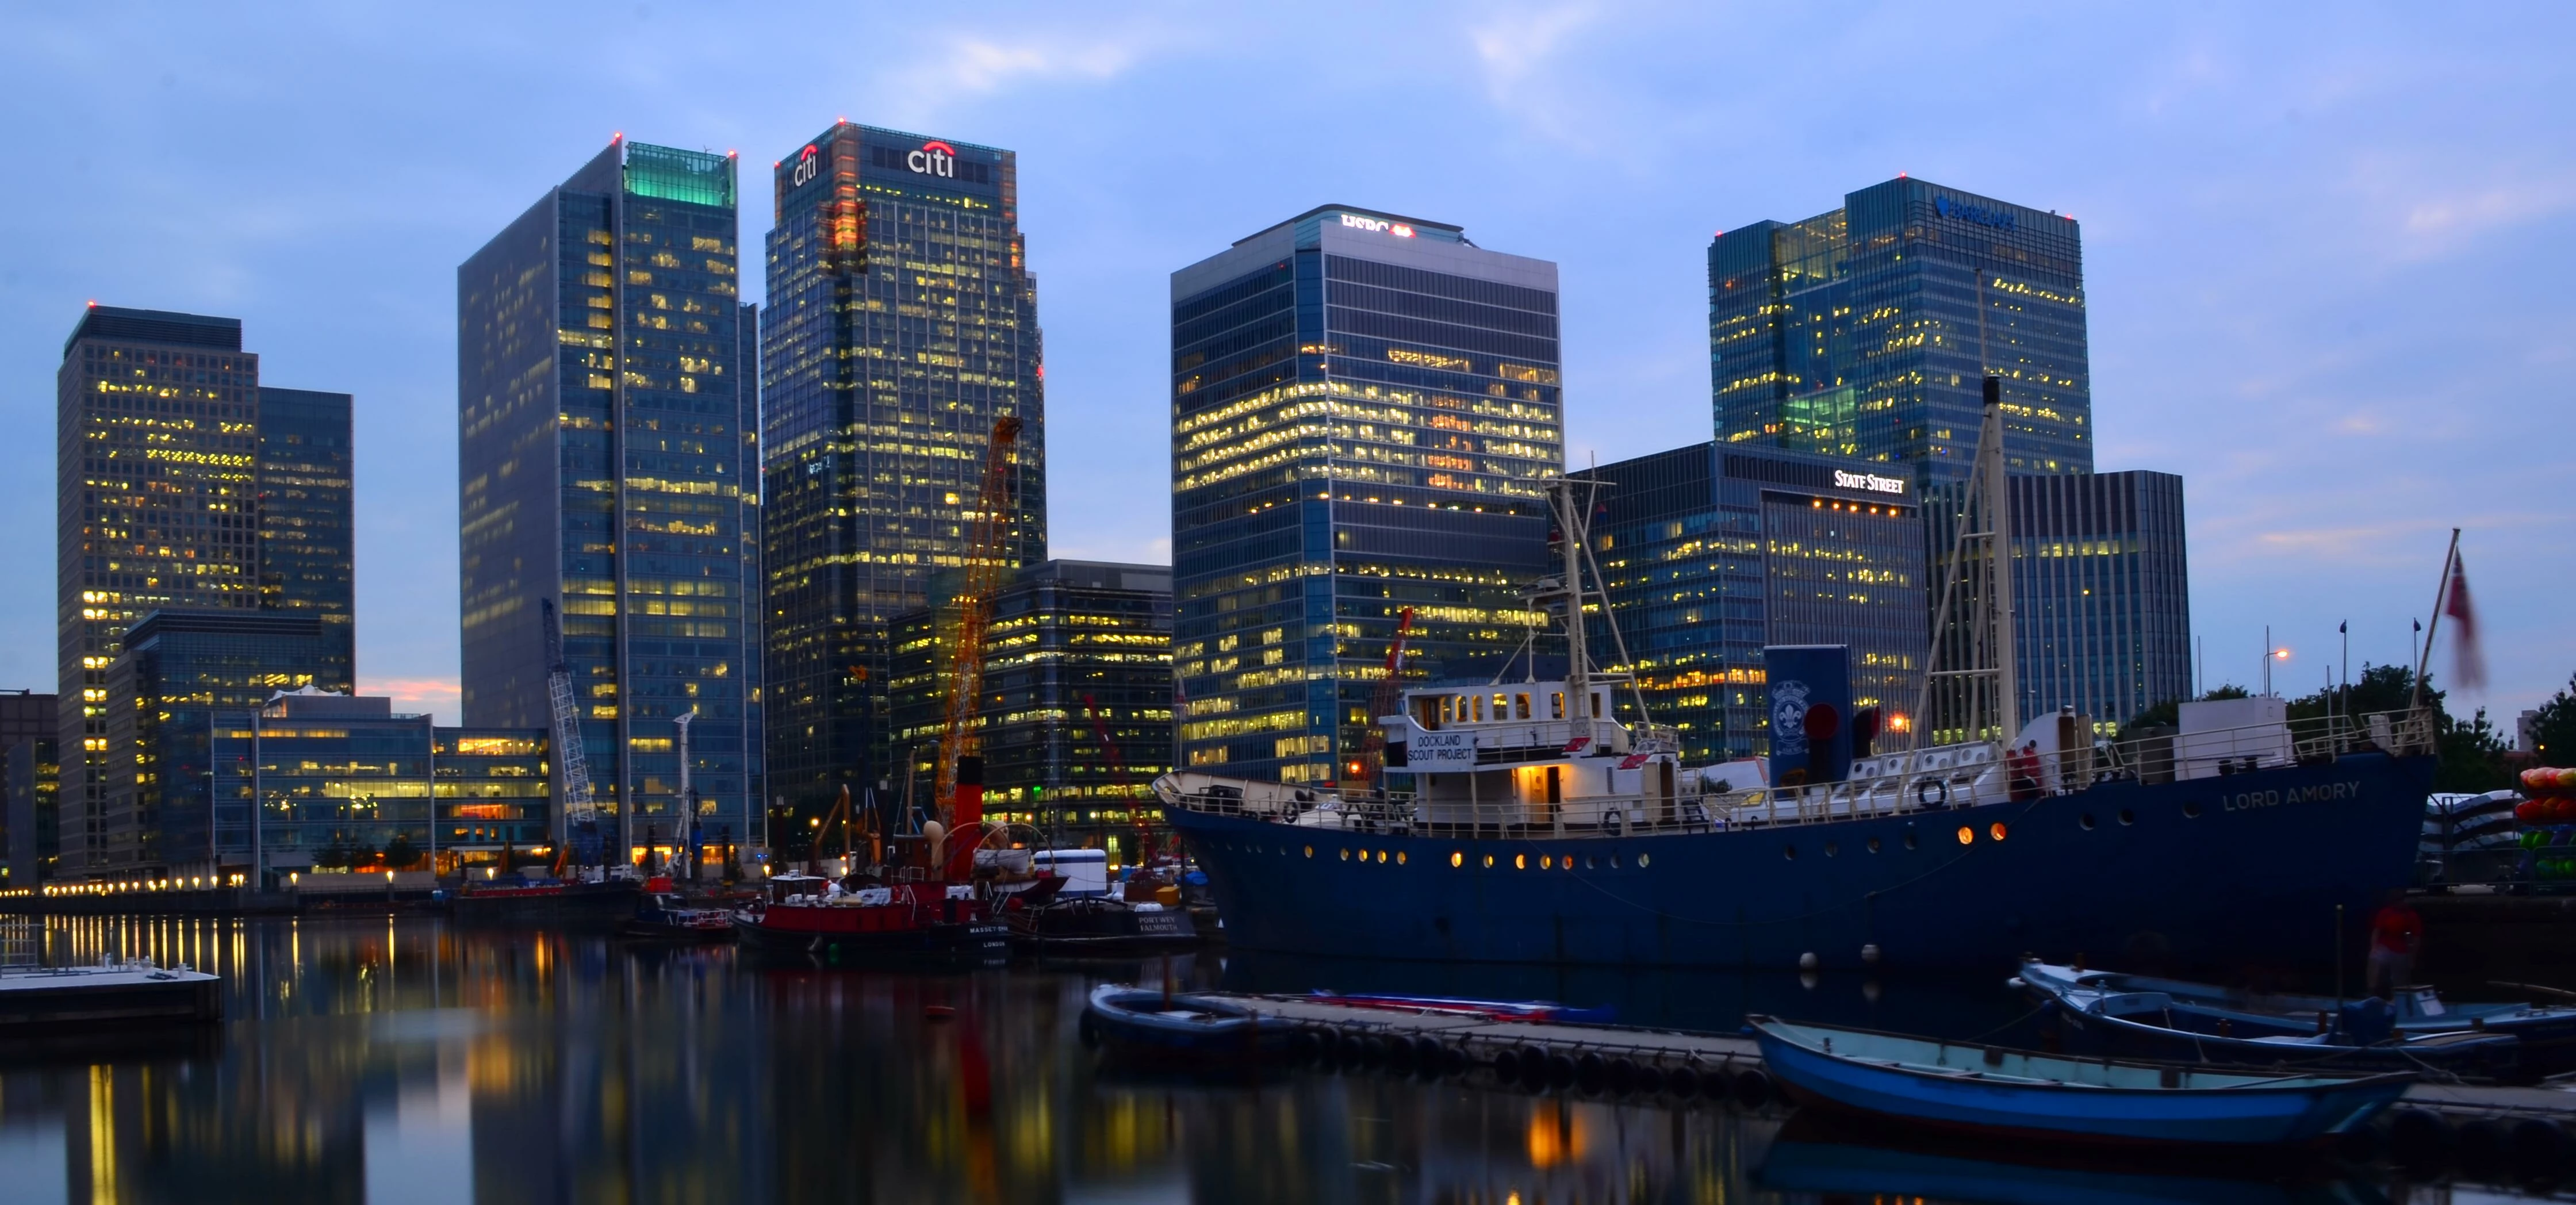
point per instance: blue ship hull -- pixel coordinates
(2241, 868)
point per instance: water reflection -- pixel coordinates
(400, 1061)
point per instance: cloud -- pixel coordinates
(1516, 48)
(439, 696)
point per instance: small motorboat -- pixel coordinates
(2137, 1015)
(2547, 1033)
(665, 917)
(1537, 1011)
(1157, 1026)
(1099, 926)
(1983, 1088)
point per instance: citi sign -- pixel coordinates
(1356, 222)
(1979, 214)
(935, 158)
(808, 166)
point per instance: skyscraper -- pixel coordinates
(307, 549)
(607, 450)
(901, 322)
(1865, 331)
(1363, 406)
(1712, 551)
(157, 458)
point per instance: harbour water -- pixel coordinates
(396, 1060)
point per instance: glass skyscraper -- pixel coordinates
(901, 322)
(2101, 591)
(1865, 332)
(1711, 551)
(608, 461)
(182, 485)
(1363, 409)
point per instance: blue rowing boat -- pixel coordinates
(1151, 1026)
(2191, 1022)
(1966, 1086)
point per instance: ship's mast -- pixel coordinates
(1982, 639)
(1578, 663)
(1990, 471)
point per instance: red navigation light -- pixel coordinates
(617, 137)
(1900, 175)
(93, 304)
(733, 154)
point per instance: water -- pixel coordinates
(399, 1060)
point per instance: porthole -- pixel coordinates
(1614, 861)
(2191, 810)
(1457, 859)
(1399, 857)
(1489, 861)
(1591, 863)
(1910, 842)
(1567, 862)
(1310, 851)
(2128, 817)
(1381, 856)
(2086, 820)
(1546, 862)
(1520, 861)
(1644, 860)
(1967, 835)
(1789, 852)
(1873, 845)
(1996, 831)
(1833, 850)
(1346, 855)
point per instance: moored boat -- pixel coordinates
(1987, 1089)
(546, 902)
(2178, 1019)
(899, 922)
(665, 917)
(1176, 1028)
(118, 993)
(1099, 926)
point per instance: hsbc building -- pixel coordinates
(901, 321)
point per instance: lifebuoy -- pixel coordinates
(1931, 793)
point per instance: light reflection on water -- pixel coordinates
(399, 1060)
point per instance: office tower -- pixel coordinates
(2101, 591)
(1712, 551)
(1363, 408)
(1076, 713)
(28, 769)
(452, 797)
(177, 676)
(901, 322)
(155, 507)
(307, 551)
(605, 453)
(1864, 331)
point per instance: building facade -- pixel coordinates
(1865, 331)
(1075, 722)
(182, 485)
(1364, 408)
(341, 780)
(1710, 552)
(901, 323)
(30, 770)
(175, 674)
(608, 464)
(2101, 591)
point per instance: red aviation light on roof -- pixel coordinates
(618, 137)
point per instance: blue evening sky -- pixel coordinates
(2325, 244)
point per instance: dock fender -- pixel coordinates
(1507, 1065)
(1430, 1058)
(1301, 1042)
(1561, 1071)
(1682, 1081)
(1591, 1073)
(1752, 1088)
(2478, 1148)
(2537, 1150)
(1398, 1055)
(1327, 1041)
(1621, 1076)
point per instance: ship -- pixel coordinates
(1521, 822)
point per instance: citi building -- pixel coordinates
(1365, 406)
(901, 323)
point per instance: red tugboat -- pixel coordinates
(942, 919)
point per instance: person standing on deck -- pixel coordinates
(2396, 934)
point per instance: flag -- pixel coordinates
(2467, 661)
(1634, 760)
(1576, 745)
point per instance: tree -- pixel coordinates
(2168, 714)
(400, 853)
(334, 856)
(361, 854)
(2553, 729)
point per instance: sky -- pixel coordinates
(2326, 269)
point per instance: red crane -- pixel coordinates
(1390, 690)
(987, 559)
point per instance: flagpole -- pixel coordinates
(2439, 593)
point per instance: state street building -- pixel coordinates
(1364, 409)
(901, 322)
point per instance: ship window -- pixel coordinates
(1399, 858)
(1546, 862)
(1996, 832)
(1614, 861)
(1833, 850)
(1446, 711)
(1789, 852)
(1489, 861)
(2086, 820)
(1643, 860)
(1457, 859)
(1520, 707)
(1909, 838)
(1310, 851)
(1873, 845)
(1556, 704)
(1967, 835)
(1381, 854)
(1520, 861)
(2191, 811)
(2128, 817)
(1346, 855)
(1590, 863)
(1502, 708)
